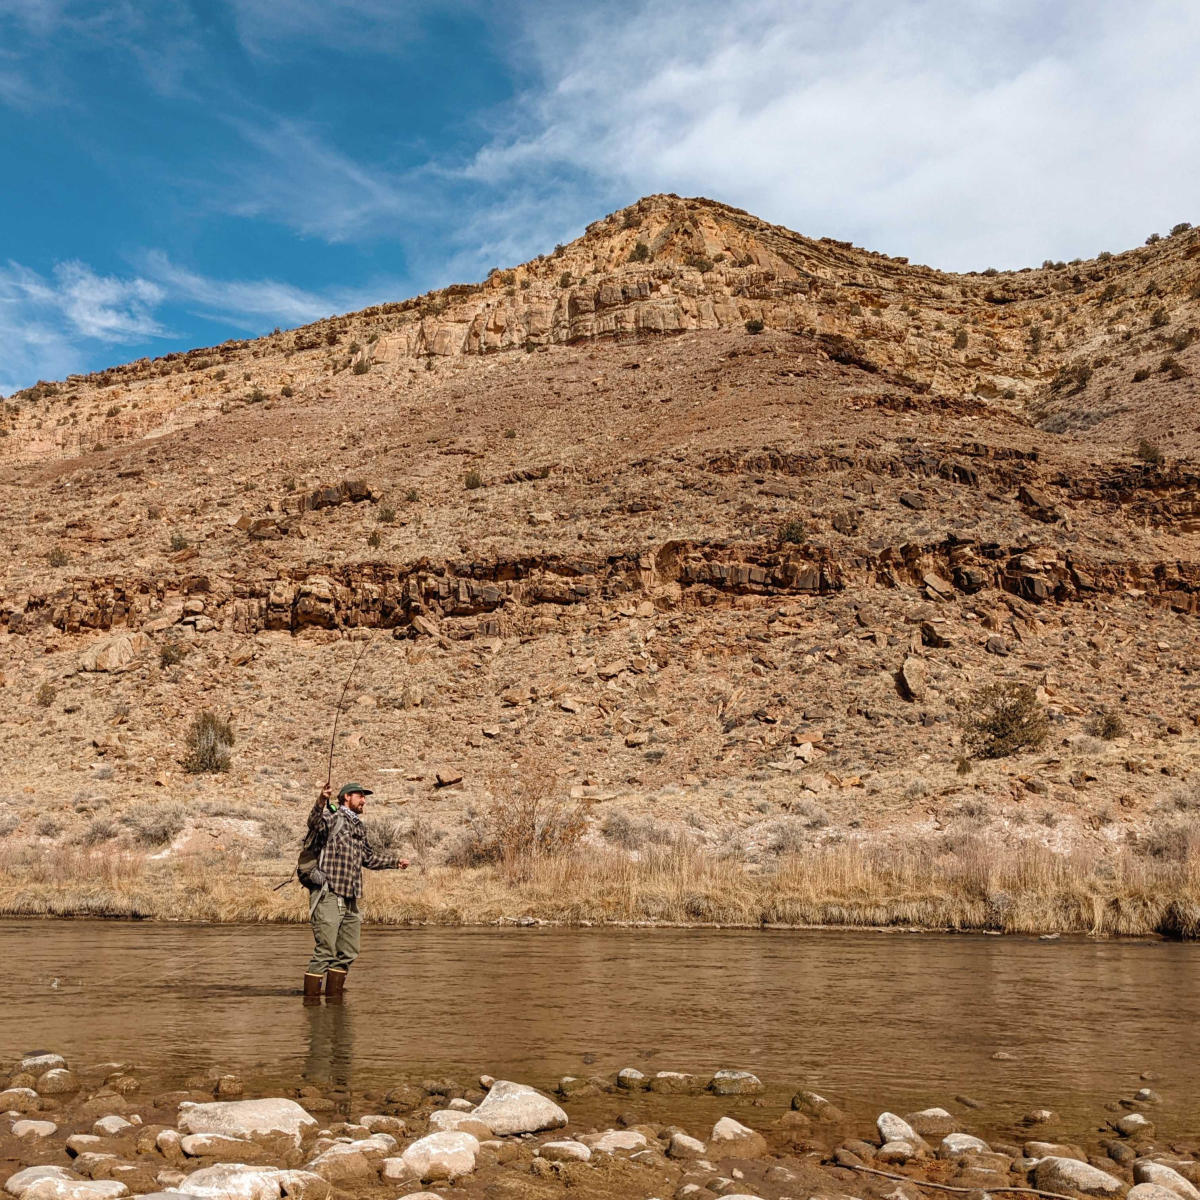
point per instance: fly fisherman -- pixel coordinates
(331, 864)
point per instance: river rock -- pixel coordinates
(896, 1153)
(34, 1129)
(954, 1145)
(14, 1185)
(730, 1137)
(58, 1081)
(735, 1083)
(1146, 1171)
(110, 1126)
(348, 1163)
(18, 1099)
(215, 1145)
(255, 1119)
(445, 1120)
(676, 1083)
(682, 1146)
(1053, 1150)
(515, 1108)
(616, 1141)
(1150, 1191)
(632, 1080)
(1055, 1174)
(240, 1181)
(816, 1107)
(565, 1151)
(38, 1064)
(72, 1189)
(1147, 1096)
(380, 1123)
(896, 1129)
(932, 1122)
(435, 1156)
(1134, 1125)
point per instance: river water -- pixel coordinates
(890, 1020)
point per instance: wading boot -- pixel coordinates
(312, 988)
(335, 985)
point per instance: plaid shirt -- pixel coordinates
(347, 849)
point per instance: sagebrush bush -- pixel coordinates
(754, 325)
(473, 479)
(58, 557)
(174, 650)
(209, 741)
(1149, 453)
(793, 531)
(44, 696)
(1106, 724)
(179, 542)
(1002, 719)
(154, 824)
(640, 253)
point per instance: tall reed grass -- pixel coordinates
(981, 883)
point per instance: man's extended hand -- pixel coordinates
(326, 792)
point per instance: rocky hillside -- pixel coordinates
(713, 521)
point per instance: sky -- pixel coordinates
(174, 173)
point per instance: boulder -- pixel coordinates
(896, 1129)
(735, 1083)
(57, 1081)
(954, 1145)
(815, 1106)
(1053, 1150)
(349, 1163)
(1134, 1125)
(379, 1123)
(240, 1181)
(254, 1119)
(37, 1064)
(446, 1120)
(110, 1126)
(75, 1189)
(33, 1129)
(912, 678)
(565, 1151)
(215, 1145)
(682, 1146)
(932, 1122)
(617, 1141)
(730, 1137)
(1069, 1175)
(19, 1099)
(1150, 1191)
(632, 1080)
(14, 1185)
(676, 1083)
(115, 653)
(435, 1156)
(510, 1108)
(1145, 1171)
(896, 1153)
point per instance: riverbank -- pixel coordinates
(979, 884)
(80, 1132)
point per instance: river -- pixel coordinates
(890, 1020)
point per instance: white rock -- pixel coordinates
(1145, 1171)
(115, 653)
(71, 1189)
(461, 1105)
(237, 1181)
(445, 1120)
(1068, 1175)
(33, 1129)
(1132, 1124)
(956, 1144)
(735, 1083)
(565, 1151)
(682, 1146)
(631, 1079)
(895, 1129)
(35, 1064)
(111, 1125)
(168, 1140)
(247, 1118)
(618, 1141)
(514, 1108)
(379, 1123)
(435, 1156)
(896, 1152)
(57, 1082)
(14, 1185)
(1150, 1191)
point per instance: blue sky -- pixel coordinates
(177, 172)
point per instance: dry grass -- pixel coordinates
(979, 884)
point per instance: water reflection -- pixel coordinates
(895, 1020)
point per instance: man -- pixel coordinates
(342, 849)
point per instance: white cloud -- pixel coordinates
(962, 135)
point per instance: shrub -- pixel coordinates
(412, 496)
(154, 824)
(173, 651)
(257, 396)
(1159, 318)
(960, 340)
(58, 557)
(792, 531)
(47, 826)
(564, 280)
(1036, 337)
(754, 325)
(632, 220)
(375, 539)
(1106, 724)
(1154, 237)
(97, 830)
(1149, 453)
(387, 514)
(1181, 227)
(640, 253)
(44, 696)
(1172, 367)
(1003, 719)
(179, 541)
(1181, 339)
(699, 263)
(287, 391)
(510, 433)
(473, 479)
(208, 744)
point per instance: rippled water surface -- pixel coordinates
(894, 1020)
